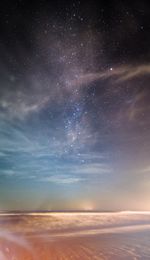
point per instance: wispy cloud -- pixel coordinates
(146, 169)
(93, 168)
(38, 92)
(60, 179)
(118, 74)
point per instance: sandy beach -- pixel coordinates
(34, 236)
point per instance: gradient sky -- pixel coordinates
(75, 105)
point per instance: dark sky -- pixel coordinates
(74, 105)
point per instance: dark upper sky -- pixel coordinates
(74, 105)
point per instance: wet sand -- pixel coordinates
(75, 236)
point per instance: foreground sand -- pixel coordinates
(63, 236)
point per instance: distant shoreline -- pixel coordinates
(45, 212)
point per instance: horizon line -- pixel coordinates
(30, 212)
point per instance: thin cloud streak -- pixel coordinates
(27, 101)
(118, 74)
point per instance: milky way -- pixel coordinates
(74, 106)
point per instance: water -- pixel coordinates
(34, 236)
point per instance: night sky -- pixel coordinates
(74, 105)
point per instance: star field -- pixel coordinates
(74, 106)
